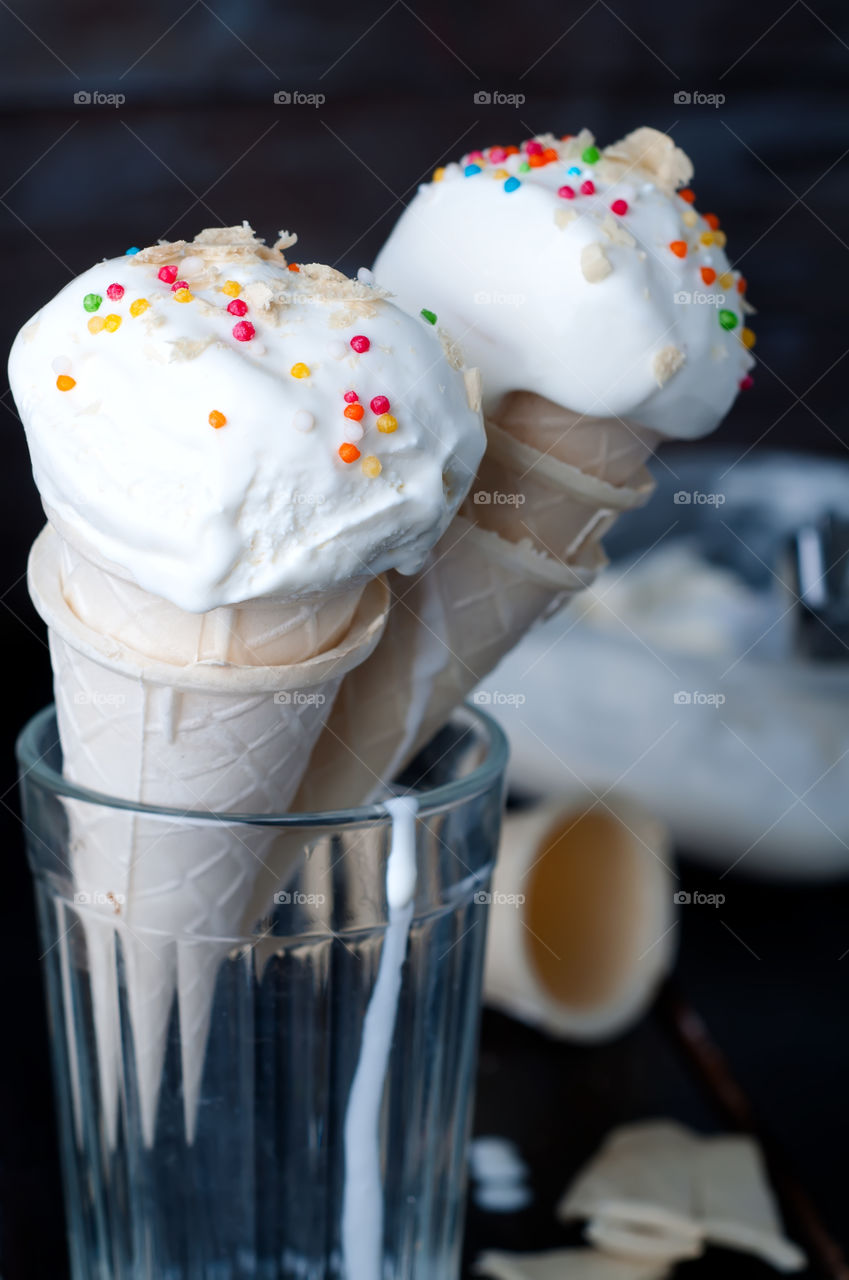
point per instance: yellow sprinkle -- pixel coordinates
(706, 237)
(726, 280)
(387, 422)
(371, 466)
(112, 322)
(183, 295)
(231, 287)
(95, 324)
(501, 173)
(300, 370)
(689, 217)
(137, 307)
(720, 239)
(747, 337)
(438, 174)
(65, 383)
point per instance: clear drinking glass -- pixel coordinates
(273, 1180)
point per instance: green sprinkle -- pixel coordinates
(524, 167)
(92, 301)
(590, 156)
(430, 316)
(727, 319)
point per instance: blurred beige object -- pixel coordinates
(658, 1190)
(447, 628)
(581, 923)
(209, 736)
(565, 1264)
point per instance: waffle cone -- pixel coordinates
(202, 736)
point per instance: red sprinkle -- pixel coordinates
(566, 193)
(293, 266)
(115, 291)
(708, 275)
(179, 284)
(379, 405)
(620, 207)
(237, 307)
(243, 331)
(360, 343)
(354, 411)
(712, 221)
(351, 397)
(687, 194)
(588, 188)
(348, 452)
(747, 383)
(168, 274)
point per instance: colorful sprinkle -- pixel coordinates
(574, 171)
(65, 383)
(243, 331)
(741, 285)
(439, 174)
(500, 174)
(619, 207)
(292, 266)
(183, 295)
(354, 411)
(512, 184)
(387, 423)
(179, 284)
(360, 343)
(747, 382)
(351, 397)
(115, 292)
(497, 155)
(748, 337)
(217, 419)
(727, 319)
(550, 155)
(430, 316)
(726, 280)
(137, 307)
(353, 432)
(712, 221)
(566, 193)
(688, 195)
(379, 404)
(706, 238)
(111, 323)
(720, 239)
(590, 155)
(348, 452)
(534, 148)
(470, 171)
(588, 188)
(371, 466)
(537, 162)
(524, 167)
(303, 420)
(92, 301)
(679, 248)
(167, 274)
(708, 275)
(231, 287)
(132, 251)
(95, 324)
(299, 369)
(238, 307)
(689, 217)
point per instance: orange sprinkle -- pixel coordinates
(747, 337)
(354, 411)
(712, 221)
(708, 275)
(537, 161)
(217, 419)
(512, 151)
(679, 248)
(688, 195)
(550, 155)
(348, 452)
(293, 266)
(741, 285)
(65, 382)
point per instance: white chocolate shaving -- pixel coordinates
(595, 264)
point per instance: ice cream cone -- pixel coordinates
(206, 736)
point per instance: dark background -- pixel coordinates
(199, 141)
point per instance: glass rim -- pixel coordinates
(430, 801)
